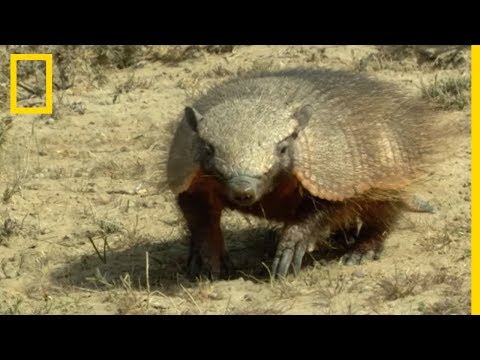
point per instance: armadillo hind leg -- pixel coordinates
(363, 246)
(365, 240)
(357, 258)
(295, 241)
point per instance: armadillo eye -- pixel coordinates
(209, 150)
(282, 148)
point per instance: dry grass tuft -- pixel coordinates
(450, 93)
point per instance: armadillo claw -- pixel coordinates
(300, 251)
(285, 255)
(282, 262)
(357, 258)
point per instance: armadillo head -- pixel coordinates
(247, 144)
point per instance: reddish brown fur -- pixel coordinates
(202, 207)
(281, 204)
(290, 203)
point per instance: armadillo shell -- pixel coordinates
(181, 164)
(341, 156)
(363, 136)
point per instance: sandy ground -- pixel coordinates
(88, 175)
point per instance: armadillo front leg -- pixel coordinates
(297, 239)
(207, 250)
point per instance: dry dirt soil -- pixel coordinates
(85, 228)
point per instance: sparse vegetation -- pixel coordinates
(5, 125)
(120, 57)
(4, 91)
(400, 58)
(130, 84)
(259, 310)
(116, 170)
(13, 187)
(448, 306)
(399, 285)
(437, 241)
(7, 229)
(396, 58)
(451, 93)
(173, 55)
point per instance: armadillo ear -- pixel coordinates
(193, 117)
(303, 115)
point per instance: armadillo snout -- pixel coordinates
(243, 190)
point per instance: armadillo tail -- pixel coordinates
(416, 204)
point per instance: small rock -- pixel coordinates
(103, 199)
(247, 297)
(358, 274)
(215, 296)
(10, 269)
(124, 191)
(78, 173)
(78, 107)
(146, 204)
(141, 191)
(157, 305)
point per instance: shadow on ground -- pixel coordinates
(251, 251)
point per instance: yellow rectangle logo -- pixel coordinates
(47, 109)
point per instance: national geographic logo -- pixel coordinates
(14, 59)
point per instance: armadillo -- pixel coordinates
(321, 151)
